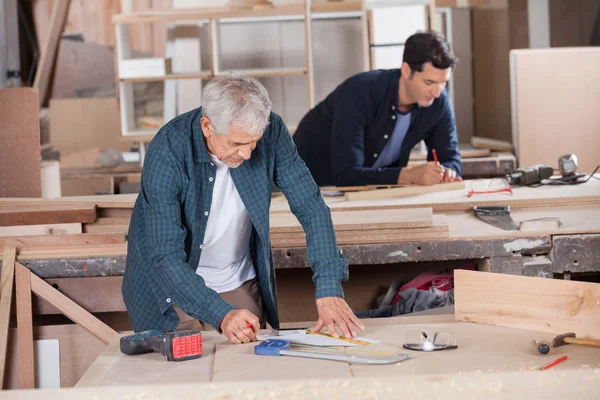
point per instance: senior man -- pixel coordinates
(199, 245)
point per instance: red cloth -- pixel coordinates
(442, 281)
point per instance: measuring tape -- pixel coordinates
(345, 339)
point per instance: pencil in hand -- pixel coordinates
(435, 156)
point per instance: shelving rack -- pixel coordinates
(214, 17)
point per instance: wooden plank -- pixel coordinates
(10, 216)
(46, 65)
(105, 250)
(72, 310)
(25, 327)
(20, 138)
(491, 144)
(45, 229)
(403, 191)
(346, 237)
(360, 220)
(533, 198)
(545, 305)
(102, 201)
(194, 14)
(538, 143)
(6, 288)
(62, 240)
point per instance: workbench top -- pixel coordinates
(482, 349)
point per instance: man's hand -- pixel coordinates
(335, 311)
(426, 174)
(235, 326)
(450, 176)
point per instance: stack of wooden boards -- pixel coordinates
(62, 230)
(364, 227)
(352, 227)
(56, 231)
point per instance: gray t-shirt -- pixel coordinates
(391, 152)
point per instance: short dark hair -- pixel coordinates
(429, 46)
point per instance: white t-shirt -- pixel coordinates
(225, 262)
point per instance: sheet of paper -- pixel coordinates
(315, 340)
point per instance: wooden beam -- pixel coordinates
(52, 214)
(6, 286)
(359, 220)
(44, 229)
(63, 240)
(43, 74)
(402, 191)
(72, 310)
(101, 250)
(25, 328)
(537, 304)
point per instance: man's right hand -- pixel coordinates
(426, 174)
(235, 326)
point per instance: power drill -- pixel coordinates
(529, 176)
(174, 345)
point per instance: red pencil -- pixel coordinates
(553, 363)
(435, 156)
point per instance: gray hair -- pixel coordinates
(236, 99)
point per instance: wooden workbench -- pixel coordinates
(547, 385)
(573, 248)
(483, 350)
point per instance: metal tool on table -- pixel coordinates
(564, 339)
(530, 175)
(421, 341)
(543, 346)
(498, 216)
(280, 347)
(175, 345)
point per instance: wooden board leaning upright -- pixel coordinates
(539, 304)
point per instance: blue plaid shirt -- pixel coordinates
(171, 212)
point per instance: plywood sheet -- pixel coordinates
(19, 143)
(360, 220)
(481, 349)
(81, 124)
(553, 117)
(115, 368)
(546, 305)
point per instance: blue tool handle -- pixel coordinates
(271, 347)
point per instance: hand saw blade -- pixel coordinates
(498, 216)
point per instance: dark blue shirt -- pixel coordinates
(341, 138)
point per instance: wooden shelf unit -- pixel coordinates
(212, 17)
